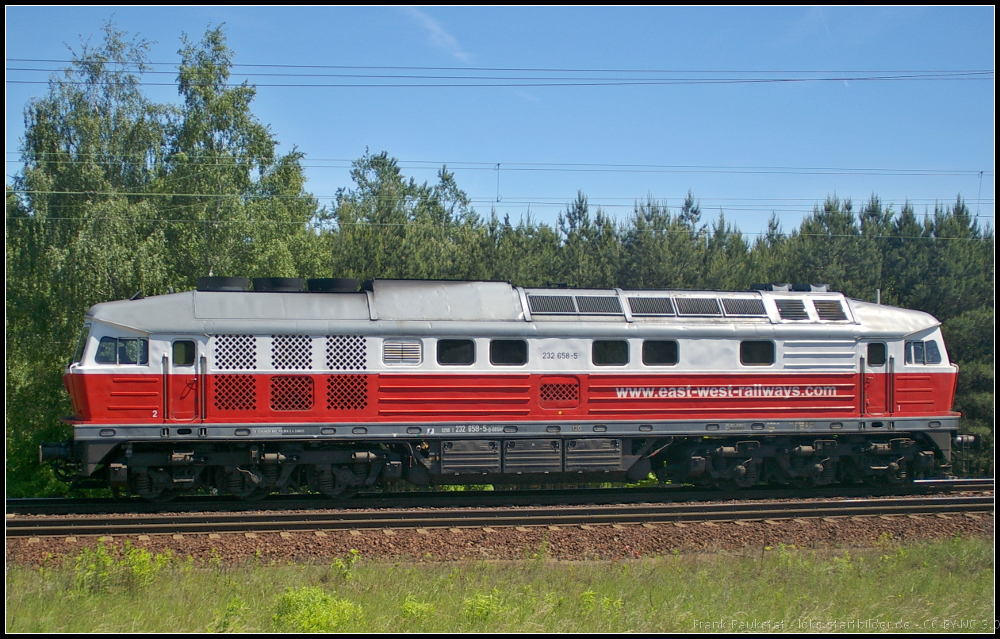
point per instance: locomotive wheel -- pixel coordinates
(239, 484)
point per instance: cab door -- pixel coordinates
(182, 379)
(876, 379)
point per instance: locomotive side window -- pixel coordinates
(456, 352)
(81, 344)
(609, 352)
(122, 350)
(184, 353)
(754, 353)
(107, 351)
(931, 352)
(508, 352)
(923, 352)
(876, 354)
(659, 353)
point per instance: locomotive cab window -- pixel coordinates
(508, 352)
(609, 352)
(756, 353)
(876, 354)
(184, 353)
(81, 344)
(926, 352)
(456, 352)
(122, 350)
(659, 353)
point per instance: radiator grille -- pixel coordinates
(291, 393)
(598, 304)
(542, 304)
(651, 306)
(235, 352)
(346, 392)
(564, 393)
(346, 353)
(830, 310)
(736, 306)
(792, 309)
(291, 352)
(697, 306)
(235, 392)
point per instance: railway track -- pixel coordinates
(253, 522)
(458, 499)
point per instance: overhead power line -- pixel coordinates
(343, 163)
(537, 69)
(491, 83)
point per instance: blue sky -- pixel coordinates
(748, 149)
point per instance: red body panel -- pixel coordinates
(405, 397)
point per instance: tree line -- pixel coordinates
(117, 194)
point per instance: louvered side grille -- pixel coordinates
(543, 304)
(737, 306)
(592, 455)
(651, 306)
(792, 309)
(532, 456)
(401, 353)
(598, 304)
(697, 306)
(830, 310)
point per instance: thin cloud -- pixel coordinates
(438, 36)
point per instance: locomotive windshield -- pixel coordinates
(121, 350)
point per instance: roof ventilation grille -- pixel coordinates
(737, 306)
(651, 306)
(792, 309)
(551, 304)
(697, 306)
(830, 310)
(598, 304)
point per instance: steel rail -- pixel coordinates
(488, 517)
(444, 499)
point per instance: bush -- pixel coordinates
(310, 609)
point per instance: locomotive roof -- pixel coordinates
(417, 307)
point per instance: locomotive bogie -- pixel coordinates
(437, 382)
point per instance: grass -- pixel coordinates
(931, 587)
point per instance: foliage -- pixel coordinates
(104, 569)
(796, 589)
(309, 609)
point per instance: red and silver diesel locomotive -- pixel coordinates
(337, 389)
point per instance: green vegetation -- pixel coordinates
(782, 588)
(118, 194)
